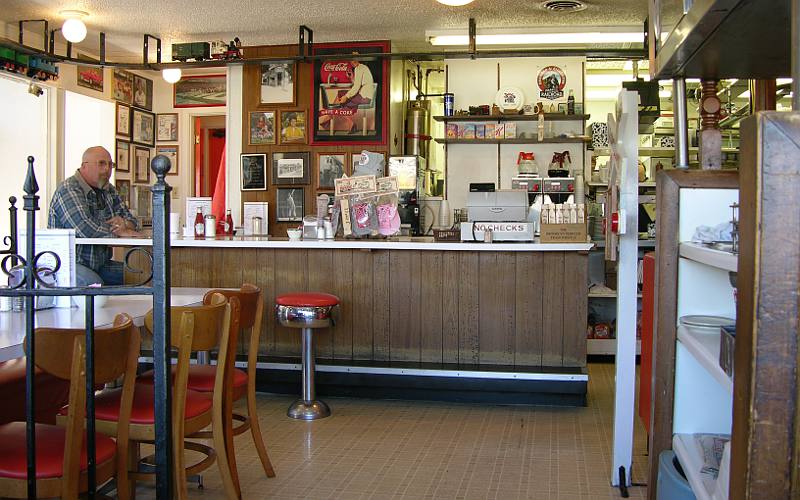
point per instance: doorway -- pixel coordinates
(209, 154)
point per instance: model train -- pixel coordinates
(203, 51)
(28, 65)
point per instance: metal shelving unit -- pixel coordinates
(511, 118)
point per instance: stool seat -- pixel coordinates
(307, 299)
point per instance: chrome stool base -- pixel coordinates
(308, 410)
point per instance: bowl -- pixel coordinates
(294, 234)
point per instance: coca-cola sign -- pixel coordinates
(338, 72)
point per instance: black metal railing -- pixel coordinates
(33, 285)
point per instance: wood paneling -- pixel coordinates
(469, 308)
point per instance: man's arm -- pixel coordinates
(71, 205)
(119, 209)
(358, 82)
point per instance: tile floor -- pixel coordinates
(405, 450)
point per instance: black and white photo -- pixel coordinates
(290, 204)
(331, 166)
(277, 83)
(254, 172)
(291, 168)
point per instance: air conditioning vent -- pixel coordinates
(563, 5)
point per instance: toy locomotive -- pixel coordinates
(203, 51)
(24, 64)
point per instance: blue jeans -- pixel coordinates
(111, 273)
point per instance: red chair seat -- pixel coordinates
(49, 451)
(51, 393)
(106, 405)
(307, 299)
(201, 377)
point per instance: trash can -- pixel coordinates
(672, 483)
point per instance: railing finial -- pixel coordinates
(31, 186)
(160, 165)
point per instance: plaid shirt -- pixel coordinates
(76, 205)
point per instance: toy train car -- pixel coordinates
(32, 66)
(203, 51)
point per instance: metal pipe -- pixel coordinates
(795, 55)
(308, 365)
(681, 123)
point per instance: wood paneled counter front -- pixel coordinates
(474, 305)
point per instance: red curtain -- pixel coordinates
(218, 198)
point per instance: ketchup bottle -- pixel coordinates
(199, 225)
(228, 225)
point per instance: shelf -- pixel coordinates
(703, 344)
(606, 347)
(606, 295)
(690, 455)
(642, 243)
(511, 118)
(554, 140)
(658, 152)
(720, 259)
(604, 184)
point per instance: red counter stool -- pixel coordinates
(307, 310)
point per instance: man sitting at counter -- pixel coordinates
(88, 203)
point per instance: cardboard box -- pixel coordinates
(480, 131)
(452, 131)
(563, 233)
(500, 131)
(489, 130)
(469, 131)
(511, 130)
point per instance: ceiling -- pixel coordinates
(261, 22)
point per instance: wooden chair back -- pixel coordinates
(208, 321)
(251, 312)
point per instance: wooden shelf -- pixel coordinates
(642, 243)
(657, 152)
(690, 455)
(720, 259)
(606, 347)
(606, 295)
(511, 118)
(703, 344)
(603, 184)
(554, 140)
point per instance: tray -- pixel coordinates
(447, 235)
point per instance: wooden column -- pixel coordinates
(762, 95)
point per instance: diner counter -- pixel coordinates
(400, 243)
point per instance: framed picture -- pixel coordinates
(277, 83)
(141, 165)
(123, 126)
(290, 204)
(143, 127)
(124, 190)
(254, 171)
(170, 152)
(90, 77)
(330, 166)
(262, 127)
(200, 91)
(143, 92)
(123, 156)
(349, 94)
(167, 130)
(355, 160)
(293, 127)
(143, 200)
(123, 86)
(291, 168)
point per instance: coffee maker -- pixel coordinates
(408, 208)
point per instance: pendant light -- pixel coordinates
(455, 3)
(74, 30)
(171, 75)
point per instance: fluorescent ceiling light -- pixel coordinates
(744, 95)
(591, 36)
(611, 79)
(455, 3)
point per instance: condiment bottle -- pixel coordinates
(199, 225)
(571, 103)
(227, 226)
(211, 226)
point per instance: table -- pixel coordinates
(12, 324)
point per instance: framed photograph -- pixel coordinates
(200, 91)
(349, 94)
(290, 204)
(254, 172)
(143, 201)
(141, 165)
(123, 126)
(293, 127)
(330, 166)
(123, 156)
(90, 77)
(143, 127)
(167, 130)
(124, 189)
(262, 128)
(123, 86)
(277, 83)
(291, 168)
(355, 160)
(143, 92)
(170, 152)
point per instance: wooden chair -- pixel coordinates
(61, 455)
(194, 328)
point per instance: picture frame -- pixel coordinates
(293, 127)
(122, 82)
(253, 171)
(141, 165)
(143, 127)
(292, 168)
(358, 119)
(262, 128)
(200, 91)
(171, 152)
(277, 82)
(330, 166)
(90, 77)
(143, 92)
(142, 200)
(167, 127)
(123, 155)
(123, 187)
(290, 204)
(355, 159)
(123, 120)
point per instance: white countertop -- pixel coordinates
(12, 324)
(394, 244)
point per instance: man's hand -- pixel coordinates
(127, 233)
(118, 223)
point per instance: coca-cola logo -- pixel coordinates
(337, 66)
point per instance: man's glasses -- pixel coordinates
(103, 163)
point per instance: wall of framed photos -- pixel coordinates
(281, 163)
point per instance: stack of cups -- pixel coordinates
(174, 225)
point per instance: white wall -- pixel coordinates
(88, 122)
